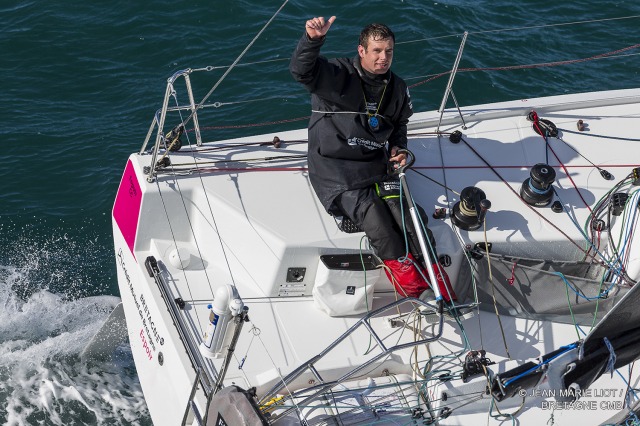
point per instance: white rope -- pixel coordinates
(270, 98)
(244, 64)
(339, 112)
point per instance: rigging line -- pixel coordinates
(213, 218)
(428, 39)
(628, 226)
(264, 123)
(518, 29)
(254, 331)
(450, 361)
(601, 209)
(493, 293)
(469, 400)
(463, 246)
(424, 228)
(277, 369)
(246, 144)
(502, 417)
(580, 293)
(617, 370)
(474, 284)
(457, 35)
(416, 374)
(240, 363)
(444, 175)
(341, 112)
(555, 25)
(249, 164)
(419, 133)
(610, 264)
(215, 227)
(431, 77)
(520, 198)
(232, 66)
(578, 152)
(548, 145)
(255, 159)
(436, 76)
(599, 136)
(366, 295)
(616, 257)
(270, 98)
(195, 239)
(173, 237)
(554, 63)
(527, 66)
(244, 64)
(604, 262)
(435, 181)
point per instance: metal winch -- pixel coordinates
(469, 212)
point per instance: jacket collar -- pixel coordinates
(369, 78)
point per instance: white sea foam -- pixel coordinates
(42, 379)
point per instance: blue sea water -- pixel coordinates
(82, 80)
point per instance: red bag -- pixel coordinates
(409, 282)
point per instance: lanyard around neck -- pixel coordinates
(374, 123)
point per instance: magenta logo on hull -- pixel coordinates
(126, 209)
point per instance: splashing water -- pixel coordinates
(43, 380)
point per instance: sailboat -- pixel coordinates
(246, 303)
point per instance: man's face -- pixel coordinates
(377, 57)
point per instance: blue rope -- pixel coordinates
(629, 225)
(536, 190)
(612, 357)
(575, 290)
(617, 270)
(632, 420)
(535, 368)
(626, 382)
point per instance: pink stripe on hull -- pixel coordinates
(126, 209)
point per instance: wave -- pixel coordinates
(43, 380)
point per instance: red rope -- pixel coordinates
(528, 66)
(536, 121)
(513, 275)
(534, 210)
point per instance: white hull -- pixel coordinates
(242, 219)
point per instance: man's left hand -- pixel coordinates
(401, 158)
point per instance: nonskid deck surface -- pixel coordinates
(245, 214)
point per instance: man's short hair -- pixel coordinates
(376, 32)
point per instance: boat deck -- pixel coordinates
(245, 214)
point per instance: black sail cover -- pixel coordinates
(613, 343)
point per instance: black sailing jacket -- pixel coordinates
(344, 152)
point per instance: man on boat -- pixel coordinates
(359, 123)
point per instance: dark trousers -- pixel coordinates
(368, 211)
